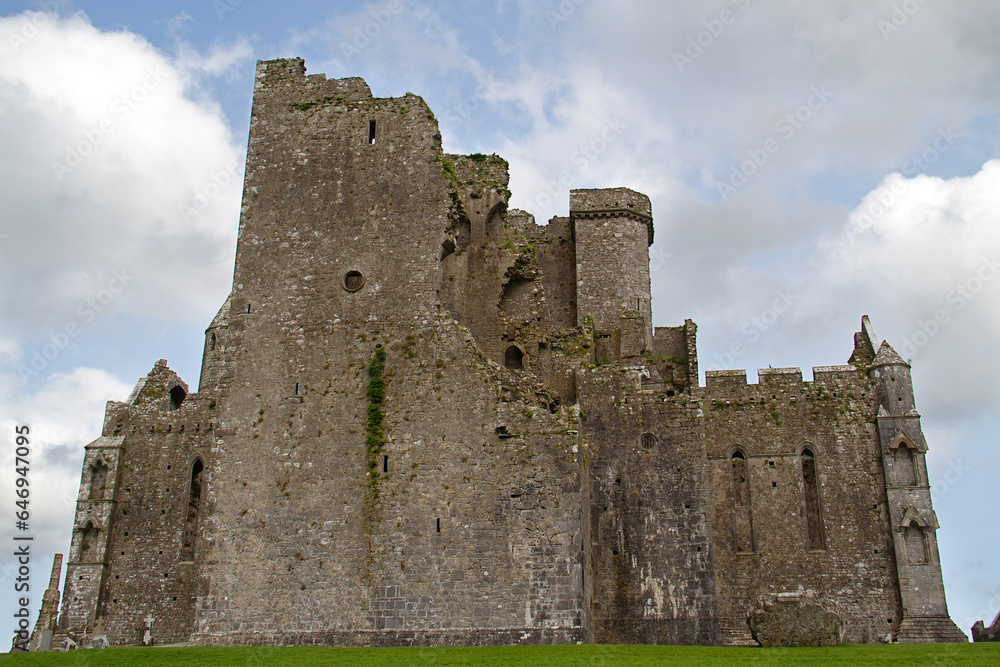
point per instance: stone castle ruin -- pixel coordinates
(425, 419)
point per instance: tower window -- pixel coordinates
(371, 132)
(916, 546)
(211, 342)
(904, 465)
(98, 479)
(647, 440)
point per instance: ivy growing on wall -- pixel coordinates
(374, 436)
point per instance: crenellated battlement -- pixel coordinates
(778, 376)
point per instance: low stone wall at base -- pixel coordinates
(386, 638)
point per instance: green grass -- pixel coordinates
(520, 656)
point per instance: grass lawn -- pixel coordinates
(521, 656)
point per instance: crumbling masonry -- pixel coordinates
(425, 419)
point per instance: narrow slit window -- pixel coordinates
(439, 525)
(371, 132)
(296, 388)
(742, 518)
(193, 506)
(385, 464)
(810, 489)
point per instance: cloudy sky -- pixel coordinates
(840, 157)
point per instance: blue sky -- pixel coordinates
(844, 155)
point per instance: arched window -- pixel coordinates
(916, 545)
(742, 517)
(193, 507)
(513, 358)
(810, 491)
(98, 480)
(177, 396)
(904, 463)
(89, 536)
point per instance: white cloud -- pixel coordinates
(925, 253)
(66, 413)
(108, 164)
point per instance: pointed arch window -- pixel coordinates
(193, 510)
(98, 480)
(904, 464)
(916, 544)
(810, 491)
(89, 538)
(742, 513)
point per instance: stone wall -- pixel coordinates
(771, 537)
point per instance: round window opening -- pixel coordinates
(353, 281)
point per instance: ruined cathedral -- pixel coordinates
(424, 419)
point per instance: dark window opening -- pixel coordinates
(648, 440)
(385, 464)
(513, 358)
(371, 132)
(353, 281)
(177, 396)
(191, 520)
(810, 484)
(296, 388)
(742, 512)
(439, 525)
(98, 480)
(248, 309)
